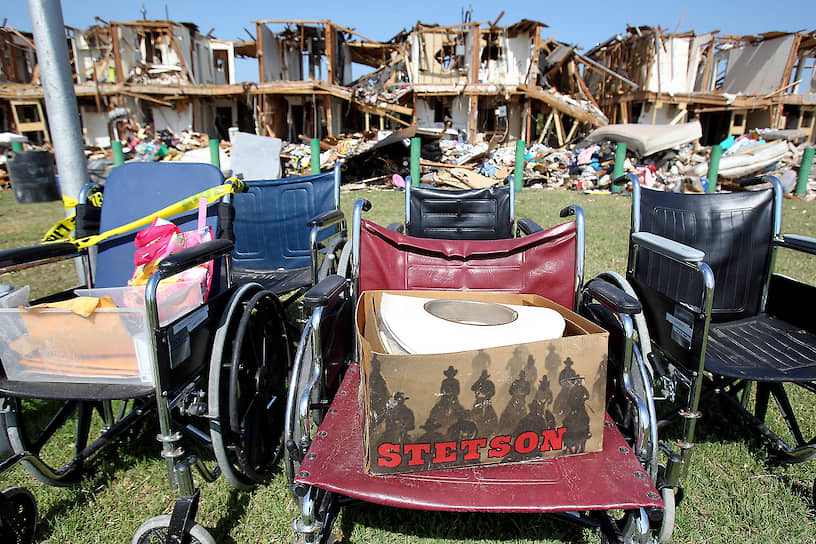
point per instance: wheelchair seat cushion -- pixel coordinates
(478, 214)
(541, 264)
(762, 348)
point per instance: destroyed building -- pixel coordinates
(160, 73)
(732, 84)
(18, 66)
(473, 78)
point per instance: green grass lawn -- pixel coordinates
(733, 494)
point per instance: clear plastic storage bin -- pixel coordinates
(173, 299)
(54, 345)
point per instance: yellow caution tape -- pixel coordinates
(233, 185)
(63, 228)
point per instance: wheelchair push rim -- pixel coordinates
(247, 386)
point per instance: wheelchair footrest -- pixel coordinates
(72, 391)
(610, 479)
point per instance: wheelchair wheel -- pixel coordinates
(154, 531)
(247, 386)
(18, 516)
(41, 427)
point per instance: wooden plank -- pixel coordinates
(435, 164)
(709, 61)
(329, 50)
(147, 97)
(189, 75)
(259, 52)
(563, 106)
(476, 46)
(792, 56)
(583, 86)
(474, 117)
(327, 107)
(117, 55)
(559, 128)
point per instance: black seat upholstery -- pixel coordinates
(755, 328)
(474, 214)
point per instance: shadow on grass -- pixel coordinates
(459, 527)
(134, 446)
(236, 507)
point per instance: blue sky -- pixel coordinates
(583, 23)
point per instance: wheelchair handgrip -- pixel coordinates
(624, 179)
(325, 291)
(31, 254)
(798, 242)
(329, 217)
(613, 297)
(226, 220)
(365, 203)
(567, 211)
(190, 257)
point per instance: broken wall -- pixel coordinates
(677, 63)
(439, 57)
(756, 69)
(94, 126)
(457, 107)
(285, 65)
(176, 119)
(508, 60)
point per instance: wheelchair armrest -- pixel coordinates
(192, 256)
(324, 292)
(805, 244)
(32, 254)
(326, 219)
(527, 226)
(613, 297)
(668, 248)
(397, 227)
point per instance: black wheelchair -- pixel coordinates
(214, 372)
(724, 324)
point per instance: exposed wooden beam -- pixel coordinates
(117, 55)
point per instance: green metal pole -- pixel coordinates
(620, 157)
(519, 171)
(315, 160)
(804, 171)
(17, 146)
(713, 168)
(215, 157)
(118, 154)
(415, 145)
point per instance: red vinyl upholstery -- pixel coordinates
(542, 263)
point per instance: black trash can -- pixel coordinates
(32, 176)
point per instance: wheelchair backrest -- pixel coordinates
(476, 214)
(735, 231)
(542, 263)
(134, 190)
(271, 218)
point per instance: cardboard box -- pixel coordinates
(500, 404)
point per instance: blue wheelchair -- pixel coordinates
(213, 373)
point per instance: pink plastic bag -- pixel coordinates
(163, 238)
